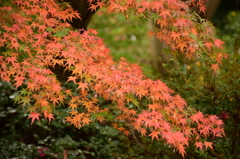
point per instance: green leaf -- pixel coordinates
(25, 92)
(25, 100)
(63, 32)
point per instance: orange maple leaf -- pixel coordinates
(159, 5)
(153, 106)
(218, 43)
(34, 116)
(127, 132)
(86, 121)
(175, 35)
(48, 116)
(82, 86)
(19, 80)
(181, 150)
(154, 134)
(215, 67)
(93, 7)
(72, 78)
(208, 144)
(197, 117)
(143, 131)
(199, 145)
(208, 45)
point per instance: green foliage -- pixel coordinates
(228, 26)
(16, 149)
(125, 38)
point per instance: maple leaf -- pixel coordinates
(181, 150)
(197, 117)
(15, 45)
(208, 144)
(202, 8)
(175, 35)
(205, 130)
(208, 44)
(93, 31)
(215, 67)
(219, 123)
(100, 4)
(153, 107)
(72, 78)
(34, 116)
(73, 106)
(181, 22)
(162, 23)
(121, 128)
(56, 88)
(159, 5)
(143, 131)
(183, 121)
(127, 132)
(93, 7)
(25, 100)
(86, 120)
(140, 10)
(19, 80)
(182, 45)
(216, 131)
(123, 9)
(82, 86)
(11, 60)
(165, 14)
(199, 145)
(48, 116)
(218, 43)
(154, 134)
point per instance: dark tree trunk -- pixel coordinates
(86, 14)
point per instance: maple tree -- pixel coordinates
(36, 36)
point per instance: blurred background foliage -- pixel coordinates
(212, 93)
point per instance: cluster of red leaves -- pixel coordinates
(36, 32)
